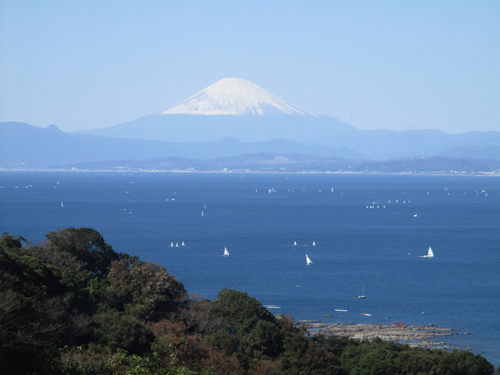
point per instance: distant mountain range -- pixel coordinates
(321, 130)
(24, 146)
(27, 146)
(238, 124)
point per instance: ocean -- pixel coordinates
(370, 232)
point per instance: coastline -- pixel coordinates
(245, 171)
(416, 336)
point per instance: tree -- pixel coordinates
(240, 311)
(310, 359)
(144, 290)
(117, 330)
(33, 315)
(87, 245)
(9, 242)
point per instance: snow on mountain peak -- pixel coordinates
(234, 96)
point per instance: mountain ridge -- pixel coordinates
(26, 145)
(321, 130)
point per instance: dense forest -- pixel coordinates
(73, 305)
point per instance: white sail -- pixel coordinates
(183, 243)
(62, 204)
(294, 243)
(314, 243)
(176, 244)
(204, 207)
(226, 253)
(202, 213)
(430, 254)
(308, 260)
(171, 244)
(363, 295)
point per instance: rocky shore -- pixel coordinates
(415, 336)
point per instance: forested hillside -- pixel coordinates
(73, 305)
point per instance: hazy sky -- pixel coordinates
(373, 64)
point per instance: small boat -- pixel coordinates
(308, 260)
(366, 314)
(314, 243)
(294, 243)
(204, 207)
(272, 306)
(202, 213)
(171, 244)
(226, 253)
(430, 254)
(182, 244)
(363, 295)
(340, 310)
(176, 244)
(62, 204)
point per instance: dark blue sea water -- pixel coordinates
(356, 246)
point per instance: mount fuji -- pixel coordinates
(240, 109)
(231, 107)
(234, 96)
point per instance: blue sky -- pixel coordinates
(374, 64)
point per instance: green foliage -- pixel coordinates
(8, 242)
(240, 311)
(309, 358)
(32, 312)
(390, 358)
(95, 360)
(117, 330)
(264, 342)
(87, 245)
(152, 364)
(144, 290)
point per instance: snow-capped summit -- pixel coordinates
(234, 96)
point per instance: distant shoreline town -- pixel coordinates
(239, 171)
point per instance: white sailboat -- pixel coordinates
(202, 213)
(204, 207)
(62, 204)
(226, 253)
(314, 243)
(183, 243)
(363, 295)
(430, 254)
(176, 244)
(171, 244)
(309, 261)
(294, 243)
